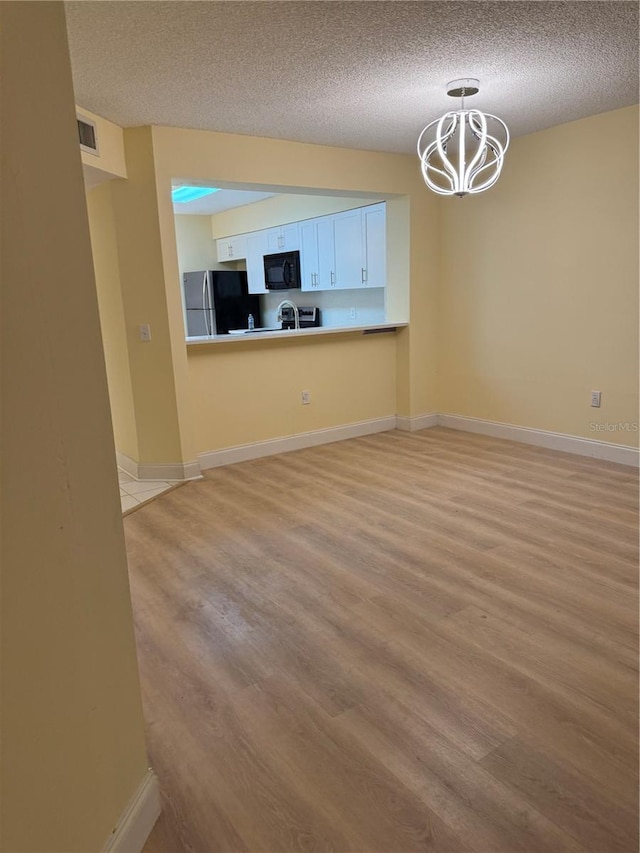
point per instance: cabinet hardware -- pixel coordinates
(364, 275)
(333, 279)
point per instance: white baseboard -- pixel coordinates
(138, 819)
(244, 452)
(413, 424)
(544, 438)
(170, 471)
(127, 464)
(241, 453)
(159, 470)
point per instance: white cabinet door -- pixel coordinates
(317, 254)
(224, 250)
(284, 238)
(273, 241)
(375, 242)
(309, 254)
(326, 253)
(291, 237)
(232, 248)
(339, 251)
(349, 255)
(257, 248)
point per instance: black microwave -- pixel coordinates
(282, 271)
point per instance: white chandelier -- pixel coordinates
(463, 151)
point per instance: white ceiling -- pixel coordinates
(358, 74)
(217, 202)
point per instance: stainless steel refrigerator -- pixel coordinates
(217, 301)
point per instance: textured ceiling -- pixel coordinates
(358, 74)
(217, 202)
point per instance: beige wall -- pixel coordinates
(195, 246)
(409, 358)
(417, 385)
(161, 409)
(112, 318)
(539, 293)
(73, 749)
(250, 391)
(280, 210)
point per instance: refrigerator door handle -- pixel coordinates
(205, 281)
(210, 301)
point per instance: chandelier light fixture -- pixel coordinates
(462, 152)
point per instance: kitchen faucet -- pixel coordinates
(296, 313)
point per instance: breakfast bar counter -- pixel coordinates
(291, 334)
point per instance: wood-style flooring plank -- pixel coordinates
(403, 642)
(586, 808)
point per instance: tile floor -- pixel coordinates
(135, 492)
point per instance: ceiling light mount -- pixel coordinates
(462, 153)
(463, 88)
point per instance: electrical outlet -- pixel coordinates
(595, 399)
(353, 313)
(306, 398)
(144, 332)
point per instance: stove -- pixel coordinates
(309, 317)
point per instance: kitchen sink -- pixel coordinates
(255, 331)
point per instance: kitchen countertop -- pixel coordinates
(293, 333)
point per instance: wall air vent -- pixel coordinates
(87, 134)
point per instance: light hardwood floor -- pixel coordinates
(398, 643)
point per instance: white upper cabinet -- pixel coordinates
(232, 248)
(349, 250)
(317, 253)
(284, 238)
(374, 228)
(257, 248)
(339, 251)
(344, 250)
(309, 254)
(326, 253)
